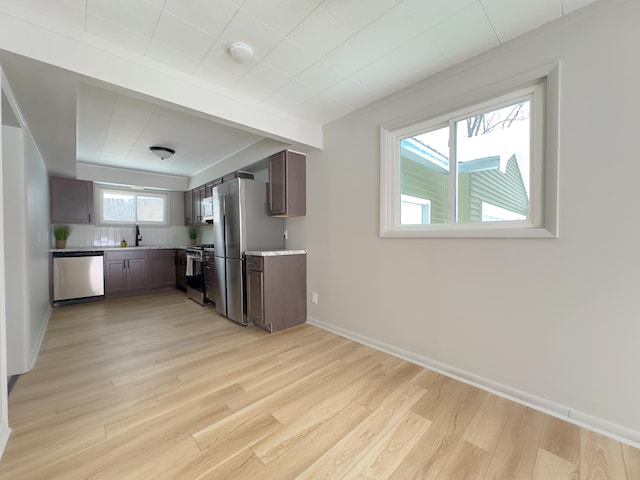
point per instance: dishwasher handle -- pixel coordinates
(78, 254)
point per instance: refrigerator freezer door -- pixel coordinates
(235, 291)
(218, 220)
(234, 211)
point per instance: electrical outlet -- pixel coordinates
(314, 297)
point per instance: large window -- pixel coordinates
(476, 171)
(125, 207)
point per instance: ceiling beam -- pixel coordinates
(85, 55)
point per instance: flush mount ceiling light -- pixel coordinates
(162, 152)
(240, 51)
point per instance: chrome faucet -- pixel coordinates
(138, 236)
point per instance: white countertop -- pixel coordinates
(271, 253)
(104, 249)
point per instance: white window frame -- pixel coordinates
(135, 194)
(543, 86)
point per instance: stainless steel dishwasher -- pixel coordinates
(77, 277)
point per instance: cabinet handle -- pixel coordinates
(89, 218)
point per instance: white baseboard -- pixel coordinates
(613, 430)
(38, 345)
(5, 431)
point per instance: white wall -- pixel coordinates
(554, 322)
(26, 194)
(15, 272)
(5, 431)
(38, 242)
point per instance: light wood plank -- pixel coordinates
(452, 412)
(158, 387)
(244, 465)
(385, 456)
(488, 423)
(516, 453)
(561, 438)
(467, 462)
(631, 461)
(353, 446)
(601, 458)
(297, 453)
(549, 466)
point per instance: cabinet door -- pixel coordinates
(137, 274)
(181, 269)
(197, 197)
(255, 297)
(277, 193)
(188, 207)
(296, 185)
(71, 200)
(162, 268)
(115, 276)
(287, 185)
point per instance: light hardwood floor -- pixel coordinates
(158, 387)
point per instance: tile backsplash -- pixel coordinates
(92, 236)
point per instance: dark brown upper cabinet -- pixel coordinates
(198, 196)
(71, 200)
(287, 193)
(188, 208)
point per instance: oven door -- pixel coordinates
(195, 277)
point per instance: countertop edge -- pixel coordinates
(115, 248)
(273, 253)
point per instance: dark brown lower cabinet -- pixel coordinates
(181, 269)
(125, 272)
(162, 268)
(137, 272)
(276, 291)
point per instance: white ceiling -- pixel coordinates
(315, 60)
(115, 130)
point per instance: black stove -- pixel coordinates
(202, 245)
(196, 282)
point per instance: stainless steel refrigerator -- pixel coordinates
(240, 223)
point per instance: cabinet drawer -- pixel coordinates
(254, 263)
(162, 252)
(125, 254)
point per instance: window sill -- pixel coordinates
(448, 232)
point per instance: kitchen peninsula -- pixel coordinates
(276, 288)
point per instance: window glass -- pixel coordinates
(150, 208)
(118, 207)
(415, 211)
(123, 207)
(493, 162)
(424, 172)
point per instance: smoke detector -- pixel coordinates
(241, 51)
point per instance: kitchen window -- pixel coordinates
(479, 171)
(129, 208)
